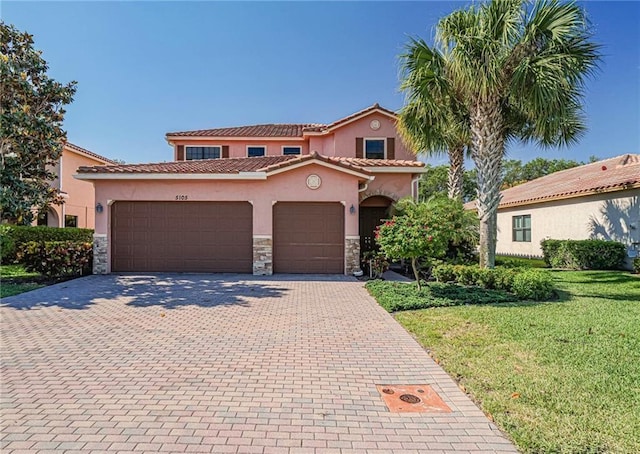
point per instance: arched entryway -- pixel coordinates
(372, 211)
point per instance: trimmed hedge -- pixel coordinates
(57, 258)
(584, 254)
(525, 283)
(13, 237)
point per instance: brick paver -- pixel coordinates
(235, 364)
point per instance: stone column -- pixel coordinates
(100, 247)
(352, 254)
(262, 256)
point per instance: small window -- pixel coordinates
(254, 152)
(193, 153)
(291, 150)
(374, 148)
(70, 221)
(522, 228)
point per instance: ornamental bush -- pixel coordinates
(532, 284)
(57, 258)
(13, 237)
(584, 254)
(525, 283)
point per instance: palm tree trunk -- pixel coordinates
(456, 172)
(487, 154)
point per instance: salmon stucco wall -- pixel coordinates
(80, 195)
(345, 136)
(611, 216)
(393, 186)
(287, 186)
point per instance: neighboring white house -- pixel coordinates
(600, 200)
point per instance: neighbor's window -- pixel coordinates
(253, 152)
(291, 150)
(192, 153)
(522, 228)
(70, 221)
(374, 148)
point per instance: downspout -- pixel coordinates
(414, 188)
(365, 186)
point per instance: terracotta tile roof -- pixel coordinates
(237, 165)
(361, 162)
(227, 165)
(268, 130)
(90, 153)
(376, 106)
(275, 130)
(603, 176)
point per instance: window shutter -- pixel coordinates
(359, 147)
(225, 151)
(180, 153)
(391, 148)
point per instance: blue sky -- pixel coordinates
(146, 68)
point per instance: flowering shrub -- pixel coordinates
(57, 258)
(417, 234)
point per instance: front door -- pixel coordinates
(370, 218)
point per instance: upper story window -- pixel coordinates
(291, 150)
(192, 153)
(374, 148)
(522, 228)
(254, 152)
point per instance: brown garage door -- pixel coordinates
(206, 237)
(308, 238)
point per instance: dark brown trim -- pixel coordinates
(225, 151)
(179, 152)
(391, 148)
(359, 147)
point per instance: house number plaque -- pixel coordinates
(313, 181)
(182, 197)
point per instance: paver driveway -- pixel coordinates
(200, 363)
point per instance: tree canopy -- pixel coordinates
(31, 133)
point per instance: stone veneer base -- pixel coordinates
(100, 247)
(352, 255)
(262, 256)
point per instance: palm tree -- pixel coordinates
(520, 71)
(433, 121)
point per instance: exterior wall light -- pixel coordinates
(99, 208)
(352, 209)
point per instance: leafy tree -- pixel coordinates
(31, 134)
(520, 72)
(516, 173)
(434, 182)
(433, 121)
(422, 232)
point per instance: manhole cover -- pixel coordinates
(410, 398)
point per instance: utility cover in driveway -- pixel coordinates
(211, 237)
(308, 238)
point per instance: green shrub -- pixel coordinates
(519, 262)
(486, 278)
(584, 254)
(57, 258)
(636, 265)
(503, 278)
(444, 273)
(7, 245)
(402, 296)
(529, 284)
(466, 274)
(15, 236)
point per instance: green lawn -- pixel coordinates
(14, 279)
(560, 376)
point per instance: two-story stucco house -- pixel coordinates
(78, 207)
(262, 199)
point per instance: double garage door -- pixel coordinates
(217, 237)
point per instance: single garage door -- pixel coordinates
(308, 238)
(201, 237)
